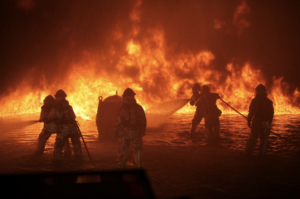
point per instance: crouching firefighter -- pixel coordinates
(199, 114)
(130, 128)
(211, 112)
(63, 115)
(260, 117)
(49, 128)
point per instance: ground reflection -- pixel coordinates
(173, 132)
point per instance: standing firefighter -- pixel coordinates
(130, 128)
(199, 114)
(63, 115)
(49, 127)
(211, 112)
(260, 117)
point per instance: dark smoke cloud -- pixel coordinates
(270, 42)
(44, 38)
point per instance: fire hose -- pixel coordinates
(278, 135)
(77, 125)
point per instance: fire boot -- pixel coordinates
(209, 132)
(138, 159)
(67, 149)
(40, 148)
(57, 154)
(264, 135)
(193, 129)
(216, 131)
(251, 142)
(76, 146)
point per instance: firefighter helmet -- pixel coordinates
(128, 92)
(60, 93)
(49, 99)
(205, 88)
(196, 86)
(260, 88)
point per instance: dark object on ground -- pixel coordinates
(112, 184)
(107, 116)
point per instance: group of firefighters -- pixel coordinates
(260, 117)
(59, 118)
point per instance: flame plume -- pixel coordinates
(160, 56)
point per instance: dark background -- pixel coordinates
(40, 40)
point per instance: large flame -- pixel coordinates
(153, 76)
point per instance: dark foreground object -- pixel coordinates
(112, 184)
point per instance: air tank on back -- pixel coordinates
(106, 117)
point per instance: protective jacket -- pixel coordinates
(62, 113)
(260, 110)
(131, 119)
(208, 102)
(49, 126)
(45, 111)
(195, 100)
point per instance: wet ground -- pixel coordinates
(177, 163)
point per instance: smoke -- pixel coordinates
(42, 40)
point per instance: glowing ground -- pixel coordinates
(176, 164)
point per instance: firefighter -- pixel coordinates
(261, 112)
(63, 115)
(211, 112)
(199, 114)
(49, 128)
(130, 129)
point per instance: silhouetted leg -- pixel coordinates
(208, 127)
(119, 154)
(137, 145)
(122, 155)
(196, 120)
(209, 131)
(216, 130)
(264, 135)
(251, 143)
(43, 137)
(75, 138)
(59, 144)
(67, 148)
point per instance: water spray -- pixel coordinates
(15, 125)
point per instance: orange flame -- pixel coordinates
(155, 79)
